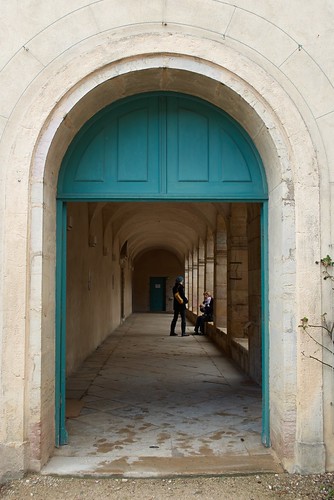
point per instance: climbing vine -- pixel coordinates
(327, 264)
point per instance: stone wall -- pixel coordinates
(269, 69)
(155, 263)
(93, 286)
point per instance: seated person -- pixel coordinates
(207, 310)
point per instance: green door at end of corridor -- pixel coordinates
(157, 294)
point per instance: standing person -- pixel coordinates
(207, 310)
(179, 307)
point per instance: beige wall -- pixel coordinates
(93, 286)
(267, 67)
(155, 263)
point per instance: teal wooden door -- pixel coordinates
(157, 146)
(157, 294)
(162, 146)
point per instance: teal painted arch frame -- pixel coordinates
(169, 182)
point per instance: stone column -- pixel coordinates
(190, 281)
(186, 277)
(195, 280)
(238, 271)
(221, 274)
(209, 277)
(201, 272)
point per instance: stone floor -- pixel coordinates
(145, 404)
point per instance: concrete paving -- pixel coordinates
(145, 404)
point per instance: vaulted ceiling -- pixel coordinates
(144, 226)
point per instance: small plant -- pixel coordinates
(305, 326)
(327, 491)
(328, 264)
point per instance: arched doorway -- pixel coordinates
(157, 146)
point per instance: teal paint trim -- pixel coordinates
(58, 321)
(60, 382)
(252, 198)
(265, 326)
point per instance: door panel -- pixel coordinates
(157, 294)
(162, 146)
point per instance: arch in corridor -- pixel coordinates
(156, 146)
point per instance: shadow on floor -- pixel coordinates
(145, 404)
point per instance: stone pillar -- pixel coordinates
(209, 282)
(221, 274)
(201, 272)
(238, 271)
(186, 277)
(190, 282)
(195, 280)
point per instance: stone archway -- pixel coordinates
(215, 83)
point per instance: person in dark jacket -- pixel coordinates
(179, 308)
(207, 310)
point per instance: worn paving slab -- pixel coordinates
(154, 405)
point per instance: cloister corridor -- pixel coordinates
(121, 262)
(145, 404)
